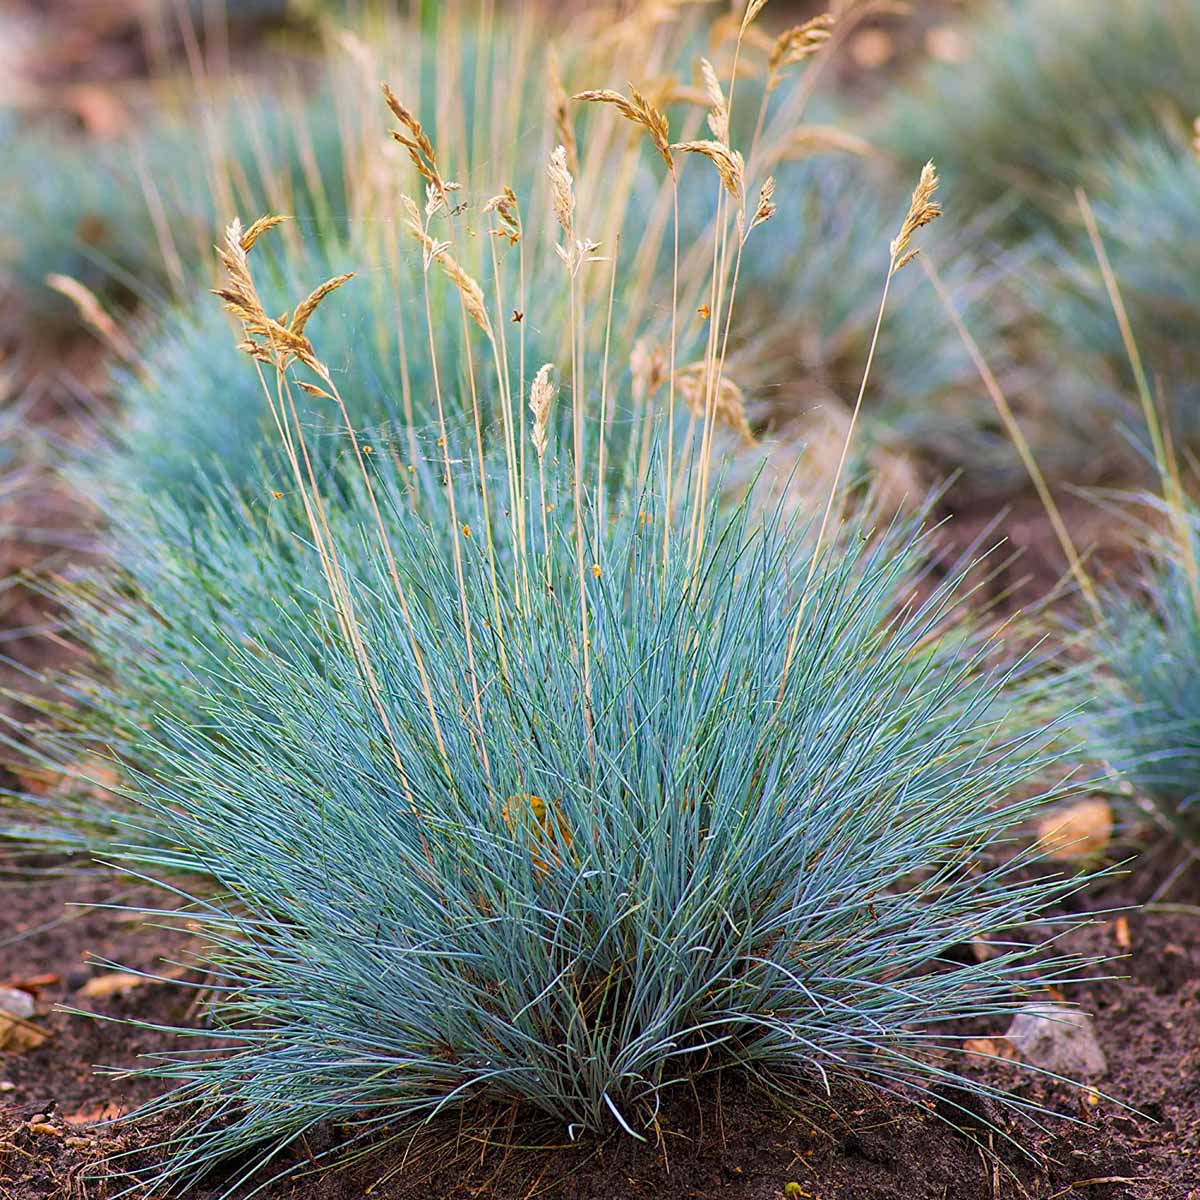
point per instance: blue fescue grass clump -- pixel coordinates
(132, 219)
(1046, 87)
(1144, 196)
(747, 832)
(1149, 700)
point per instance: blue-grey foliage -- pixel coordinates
(1148, 700)
(601, 882)
(1044, 87)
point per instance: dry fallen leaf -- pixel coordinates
(113, 983)
(96, 1114)
(1121, 933)
(989, 1048)
(33, 984)
(17, 1035)
(1081, 830)
(116, 983)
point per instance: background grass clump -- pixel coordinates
(1045, 87)
(1144, 196)
(132, 219)
(1148, 699)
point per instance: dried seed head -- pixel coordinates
(308, 306)
(561, 112)
(728, 403)
(439, 252)
(256, 230)
(541, 397)
(505, 207)
(437, 196)
(728, 162)
(796, 44)
(921, 210)
(267, 339)
(718, 114)
(640, 111)
(415, 140)
(562, 188)
(753, 8)
(313, 390)
(766, 202)
(575, 254)
(648, 366)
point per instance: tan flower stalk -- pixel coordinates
(795, 45)
(921, 210)
(541, 398)
(640, 111)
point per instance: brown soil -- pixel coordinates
(45, 528)
(1025, 562)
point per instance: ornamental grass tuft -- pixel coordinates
(1148, 700)
(1045, 87)
(450, 870)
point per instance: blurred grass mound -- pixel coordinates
(1045, 88)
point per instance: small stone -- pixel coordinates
(16, 1003)
(17, 1033)
(1058, 1039)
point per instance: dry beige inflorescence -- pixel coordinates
(505, 206)
(795, 45)
(416, 141)
(725, 400)
(636, 108)
(439, 252)
(729, 163)
(562, 188)
(541, 398)
(921, 211)
(276, 342)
